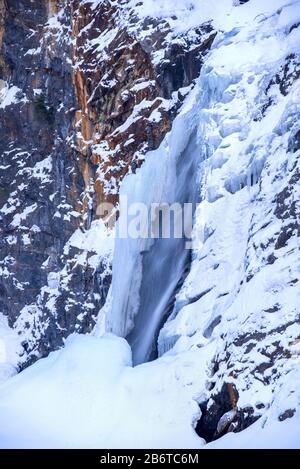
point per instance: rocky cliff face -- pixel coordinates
(87, 89)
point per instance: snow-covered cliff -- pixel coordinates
(87, 88)
(220, 320)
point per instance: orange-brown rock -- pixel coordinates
(118, 89)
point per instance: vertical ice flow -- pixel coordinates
(147, 272)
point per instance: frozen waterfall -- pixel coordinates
(148, 272)
(164, 265)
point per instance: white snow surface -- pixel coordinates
(8, 95)
(276, 435)
(98, 239)
(89, 396)
(10, 350)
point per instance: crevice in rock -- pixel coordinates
(221, 414)
(212, 325)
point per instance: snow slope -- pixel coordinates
(10, 350)
(89, 396)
